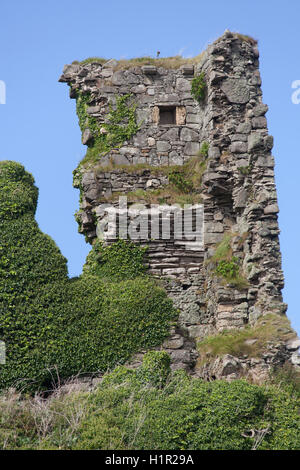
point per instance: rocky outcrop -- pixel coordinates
(255, 369)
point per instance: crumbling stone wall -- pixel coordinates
(238, 189)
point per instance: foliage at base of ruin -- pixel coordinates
(131, 410)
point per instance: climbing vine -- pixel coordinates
(121, 125)
(121, 260)
(53, 323)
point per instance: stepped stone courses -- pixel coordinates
(238, 189)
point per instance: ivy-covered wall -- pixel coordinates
(53, 326)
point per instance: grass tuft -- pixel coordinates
(250, 341)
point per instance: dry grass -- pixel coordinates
(246, 38)
(31, 420)
(193, 169)
(223, 251)
(250, 341)
(92, 60)
(286, 376)
(166, 195)
(173, 62)
(239, 282)
(138, 168)
(191, 172)
(166, 62)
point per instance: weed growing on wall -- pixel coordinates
(226, 265)
(188, 177)
(199, 87)
(228, 269)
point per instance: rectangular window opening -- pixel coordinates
(167, 115)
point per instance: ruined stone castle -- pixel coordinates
(174, 131)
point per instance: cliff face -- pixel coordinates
(170, 131)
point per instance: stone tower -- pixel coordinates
(175, 131)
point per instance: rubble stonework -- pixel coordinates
(238, 188)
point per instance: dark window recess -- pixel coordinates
(167, 115)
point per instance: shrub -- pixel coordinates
(190, 414)
(155, 368)
(124, 413)
(55, 326)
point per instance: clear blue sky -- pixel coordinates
(39, 125)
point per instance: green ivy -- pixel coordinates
(58, 327)
(120, 260)
(18, 194)
(199, 87)
(121, 125)
(155, 368)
